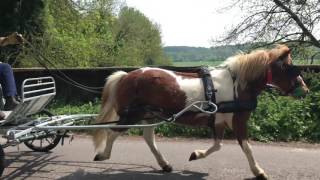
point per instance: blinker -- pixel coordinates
(293, 71)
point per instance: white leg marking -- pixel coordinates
(204, 153)
(255, 168)
(112, 135)
(148, 135)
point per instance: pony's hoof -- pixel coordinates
(99, 157)
(193, 156)
(167, 168)
(262, 177)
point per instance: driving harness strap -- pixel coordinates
(224, 107)
(210, 94)
(209, 91)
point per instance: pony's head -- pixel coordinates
(15, 38)
(273, 67)
(283, 74)
(12, 39)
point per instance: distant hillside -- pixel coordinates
(186, 53)
(181, 54)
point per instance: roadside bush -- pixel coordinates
(286, 119)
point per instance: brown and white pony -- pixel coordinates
(11, 39)
(242, 77)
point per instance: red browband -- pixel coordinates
(269, 76)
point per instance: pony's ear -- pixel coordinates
(284, 55)
(18, 37)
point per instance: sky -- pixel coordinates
(187, 22)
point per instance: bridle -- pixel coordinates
(293, 72)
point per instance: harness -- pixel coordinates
(209, 91)
(226, 106)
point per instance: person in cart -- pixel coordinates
(7, 80)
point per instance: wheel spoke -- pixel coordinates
(50, 142)
(31, 141)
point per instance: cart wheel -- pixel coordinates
(44, 144)
(2, 159)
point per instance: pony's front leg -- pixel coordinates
(111, 137)
(240, 129)
(198, 154)
(254, 166)
(148, 135)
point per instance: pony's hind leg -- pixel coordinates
(148, 135)
(127, 116)
(198, 154)
(111, 137)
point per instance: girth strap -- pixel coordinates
(237, 106)
(210, 93)
(208, 85)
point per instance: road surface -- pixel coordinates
(132, 160)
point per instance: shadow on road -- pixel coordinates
(124, 174)
(28, 163)
(31, 164)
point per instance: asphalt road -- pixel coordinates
(132, 160)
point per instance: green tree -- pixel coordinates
(90, 33)
(23, 16)
(137, 40)
(77, 35)
(26, 17)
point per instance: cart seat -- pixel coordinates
(36, 94)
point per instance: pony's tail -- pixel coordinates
(108, 106)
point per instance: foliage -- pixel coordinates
(26, 17)
(138, 40)
(185, 53)
(196, 63)
(286, 119)
(58, 107)
(21, 16)
(89, 34)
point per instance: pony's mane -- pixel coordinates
(252, 66)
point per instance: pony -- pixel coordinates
(240, 78)
(12, 39)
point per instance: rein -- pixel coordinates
(60, 74)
